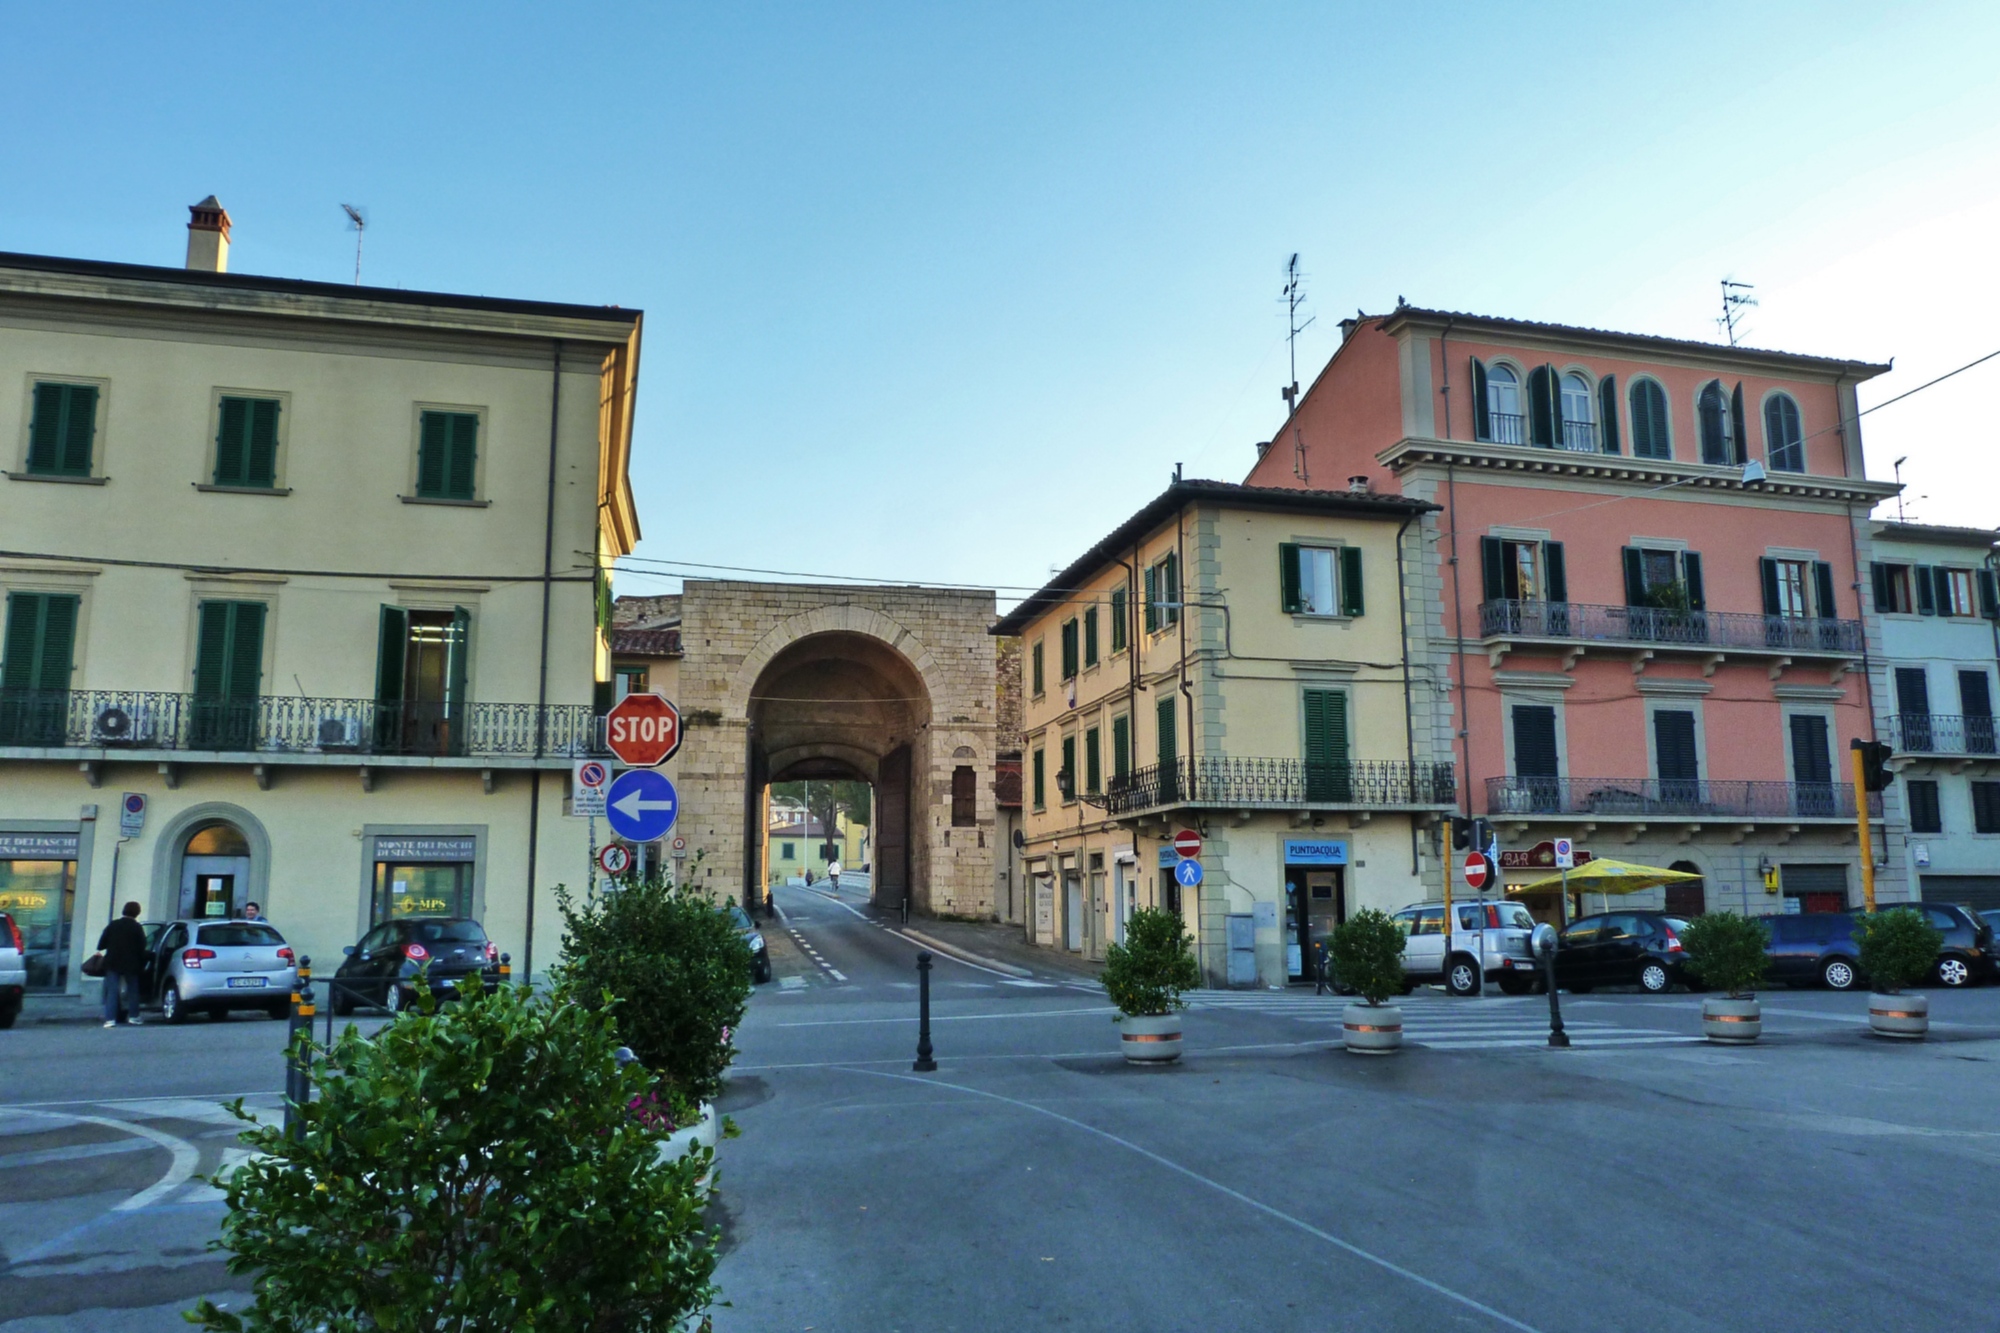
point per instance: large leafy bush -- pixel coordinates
(678, 970)
(474, 1167)
(1147, 973)
(1727, 951)
(1897, 947)
(1366, 951)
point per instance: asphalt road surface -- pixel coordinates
(1641, 1181)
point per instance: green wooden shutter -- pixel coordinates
(1038, 779)
(45, 432)
(246, 650)
(211, 653)
(433, 447)
(1093, 761)
(1691, 580)
(1607, 412)
(1290, 600)
(1544, 407)
(1635, 576)
(1827, 607)
(394, 643)
(1920, 575)
(1328, 777)
(261, 455)
(1351, 591)
(1152, 597)
(63, 429)
(1035, 667)
(232, 443)
(1090, 637)
(1068, 769)
(1121, 746)
(1482, 424)
(1172, 571)
(41, 641)
(1492, 568)
(1942, 578)
(1738, 427)
(464, 456)
(1164, 718)
(79, 430)
(1556, 578)
(1118, 615)
(1878, 574)
(1069, 650)
(458, 655)
(1989, 594)
(1769, 567)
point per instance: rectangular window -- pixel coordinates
(228, 669)
(1892, 589)
(1067, 773)
(788, 851)
(1038, 774)
(1035, 669)
(448, 456)
(1118, 620)
(35, 665)
(1986, 807)
(63, 430)
(1668, 580)
(1955, 592)
(1069, 650)
(1925, 816)
(1121, 747)
(1975, 700)
(964, 796)
(1319, 580)
(1535, 741)
(1328, 775)
(246, 443)
(1163, 594)
(1090, 637)
(1093, 762)
(1522, 571)
(1163, 718)
(1812, 765)
(420, 681)
(1674, 747)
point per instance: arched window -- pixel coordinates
(1712, 410)
(1688, 898)
(217, 840)
(1784, 442)
(1579, 432)
(1649, 420)
(1503, 398)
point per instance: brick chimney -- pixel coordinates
(208, 236)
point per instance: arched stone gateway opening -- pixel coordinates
(846, 705)
(889, 686)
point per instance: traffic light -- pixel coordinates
(1461, 834)
(1875, 773)
(1482, 835)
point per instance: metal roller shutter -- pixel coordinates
(1977, 892)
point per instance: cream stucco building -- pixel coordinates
(312, 570)
(1232, 660)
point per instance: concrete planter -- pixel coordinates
(1906, 1017)
(1372, 1029)
(1150, 1039)
(1735, 1022)
(704, 1132)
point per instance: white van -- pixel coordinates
(1494, 933)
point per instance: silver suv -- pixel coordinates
(216, 966)
(13, 971)
(1490, 935)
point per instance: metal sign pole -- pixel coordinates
(592, 870)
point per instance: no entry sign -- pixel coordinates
(643, 730)
(1477, 871)
(1187, 844)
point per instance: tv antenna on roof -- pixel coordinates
(1293, 294)
(1898, 467)
(1735, 295)
(357, 222)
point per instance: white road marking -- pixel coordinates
(186, 1155)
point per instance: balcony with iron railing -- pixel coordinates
(1718, 632)
(1283, 784)
(1579, 437)
(1680, 800)
(1944, 734)
(297, 728)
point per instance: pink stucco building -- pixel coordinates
(1640, 602)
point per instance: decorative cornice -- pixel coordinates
(1625, 470)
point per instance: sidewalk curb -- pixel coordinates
(965, 954)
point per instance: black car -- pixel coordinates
(383, 969)
(760, 955)
(1967, 955)
(1814, 949)
(1640, 949)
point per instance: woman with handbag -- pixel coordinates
(123, 946)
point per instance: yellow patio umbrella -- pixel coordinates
(1603, 876)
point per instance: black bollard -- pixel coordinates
(924, 1064)
(506, 968)
(1557, 1037)
(298, 1073)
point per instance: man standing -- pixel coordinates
(123, 945)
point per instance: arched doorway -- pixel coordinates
(1689, 898)
(844, 705)
(215, 871)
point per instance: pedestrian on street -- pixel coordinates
(252, 912)
(833, 875)
(123, 945)
(809, 876)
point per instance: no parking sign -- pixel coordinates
(589, 780)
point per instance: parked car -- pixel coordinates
(760, 956)
(1494, 934)
(1814, 948)
(1991, 916)
(384, 968)
(1640, 949)
(212, 967)
(1967, 956)
(13, 971)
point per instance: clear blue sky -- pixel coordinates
(944, 291)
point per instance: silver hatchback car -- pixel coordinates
(213, 967)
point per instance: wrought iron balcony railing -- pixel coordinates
(1507, 427)
(1942, 733)
(1674, 798)
(281, 724)
(1217, 780)
(1723, 631)
(1580, 437)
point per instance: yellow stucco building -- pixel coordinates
(1232, 660)
(310, 571)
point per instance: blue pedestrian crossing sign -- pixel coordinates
(1188, 873)
(641, 805)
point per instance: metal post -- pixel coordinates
(298, 1070)
(1861, 826)
(1557, 1037)
(506, 968)
(924, 1064)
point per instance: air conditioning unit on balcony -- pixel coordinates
(340, 733)
(122, 724)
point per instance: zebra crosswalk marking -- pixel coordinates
(1439, 1023)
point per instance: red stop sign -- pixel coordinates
(1187, 844)
(1476, 871)
(643, 730)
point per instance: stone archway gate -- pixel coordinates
(732, 634)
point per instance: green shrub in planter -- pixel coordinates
(1366, 951)
(676, 967)
(1147, 973)
(474, 1166)
(1898, 948)
(1727, 952)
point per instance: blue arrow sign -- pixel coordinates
(1188, 873)
(641, 805)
